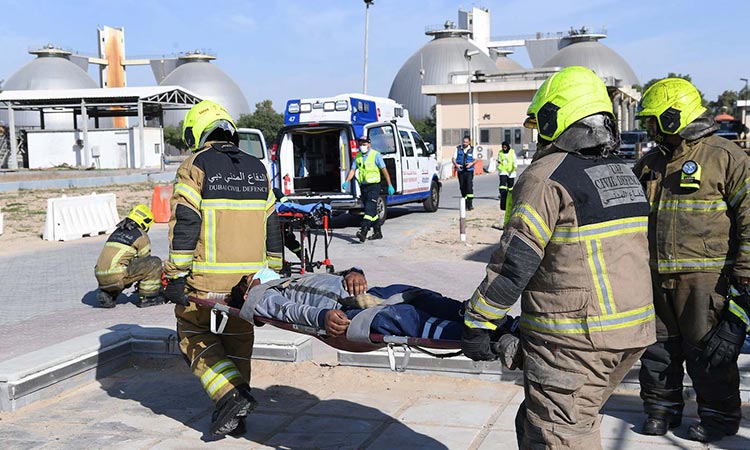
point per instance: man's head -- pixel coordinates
(208, 121)
(505, 146)
(466, 142)
(142, 216)
(564, 98)
(668, 106)
(364, 144)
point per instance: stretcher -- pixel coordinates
(220, 313)
(309, 222)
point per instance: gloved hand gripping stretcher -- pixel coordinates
(396, 317)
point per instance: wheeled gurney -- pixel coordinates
(309, 221)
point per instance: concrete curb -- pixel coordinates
(62, 183)
(53, 370)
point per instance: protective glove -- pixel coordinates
(345, 186)
(723, 343)
(175, 291)
(507, 344)
(237, 296)
(476, 343)
(391, 191)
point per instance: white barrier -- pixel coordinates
(74, 217)
(446, 170)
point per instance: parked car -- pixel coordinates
(630, 139)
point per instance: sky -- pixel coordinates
(282, 49)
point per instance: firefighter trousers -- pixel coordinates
(145, 270)
(565, 389)
(687, 307)
(220, 361)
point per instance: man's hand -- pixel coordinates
(175, 291)
(355, 283)
(724, 342)
(476, 345)
(336, 322)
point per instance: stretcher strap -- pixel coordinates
(359, 328)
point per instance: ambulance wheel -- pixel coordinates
(382, 209)
(433, 201)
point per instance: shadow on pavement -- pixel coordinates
(286, 417)
(125, 297)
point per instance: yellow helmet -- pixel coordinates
(565, 98)
(142, 216)
(204, 118)
(674, 102)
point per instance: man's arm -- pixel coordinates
(142, 245)
(185, 223)
(738, 185)
(273, 234)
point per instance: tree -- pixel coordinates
(264, 118)
(173, 137)
(426, 127)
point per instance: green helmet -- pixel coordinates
(674, 102)
(566, 97)
(202, 119)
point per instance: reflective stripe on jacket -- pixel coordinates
(586, 220)
(124, 244)
(506, 162)
(220, 226)
(369, 172)
(705, 229)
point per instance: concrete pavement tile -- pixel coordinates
(360, 405)
(323, 433)
(624, 401)
(507, 419)
(454, 413)
(91, 440)
(259, 427)
(625, 426)
(182, 443)
(270, 402)
(499, 439)
(423, 437)
(21, 444)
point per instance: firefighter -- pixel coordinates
(126, 259)
(463, 164)
(223, 227)
(506, 169)
(575, 250)
(369, 164)
(699, 236)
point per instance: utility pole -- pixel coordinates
(368, 3)
(468, 54)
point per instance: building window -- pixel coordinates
(484, 136)
(454, 136)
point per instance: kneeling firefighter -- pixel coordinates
(126, 259)
(575, 250)
(223, 227)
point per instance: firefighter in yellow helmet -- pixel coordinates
(223, 227)
(126, 259)
(699, 235)
(575, 250)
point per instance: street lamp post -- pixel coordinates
(744, 111)
(368, 3)
(468, 54)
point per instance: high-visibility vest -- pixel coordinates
(464, 157)
(506, 162)
(369, 172)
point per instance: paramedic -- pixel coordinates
(576, 251)
(463, 163)
(126, 259)
(699, 235)
(369, 164)
(223, 226)
(506, 169)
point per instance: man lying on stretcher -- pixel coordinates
(331, 301)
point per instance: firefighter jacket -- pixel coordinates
(223, 223)
(506, 162)
(575, 250)
(700, 211)
(128, 241)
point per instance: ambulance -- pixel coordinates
(314, 151)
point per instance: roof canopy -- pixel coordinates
(165, 96)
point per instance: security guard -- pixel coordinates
(369, 164)
(506, 169)
(463, 163)
(223, 227)
(699, 235)
(575, 250)
(126, 259)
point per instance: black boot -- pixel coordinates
(376, 235)
(658, 425)
(710, 431)
(145, 301)
(362, 234)
(240, 430)
(230, 409)
(469, 204)
(106, 299)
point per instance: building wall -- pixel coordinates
(117, 149)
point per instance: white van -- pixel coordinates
(253, 143)
(314, 151)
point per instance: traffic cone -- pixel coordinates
(160, 203)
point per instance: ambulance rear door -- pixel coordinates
(384, 138)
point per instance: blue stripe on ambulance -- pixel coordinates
(291, 119)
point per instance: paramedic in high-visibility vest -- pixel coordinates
(126, 259)
(463, 163)
(576, 251)
(369, 164)
(223, 227)
(506, 169)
